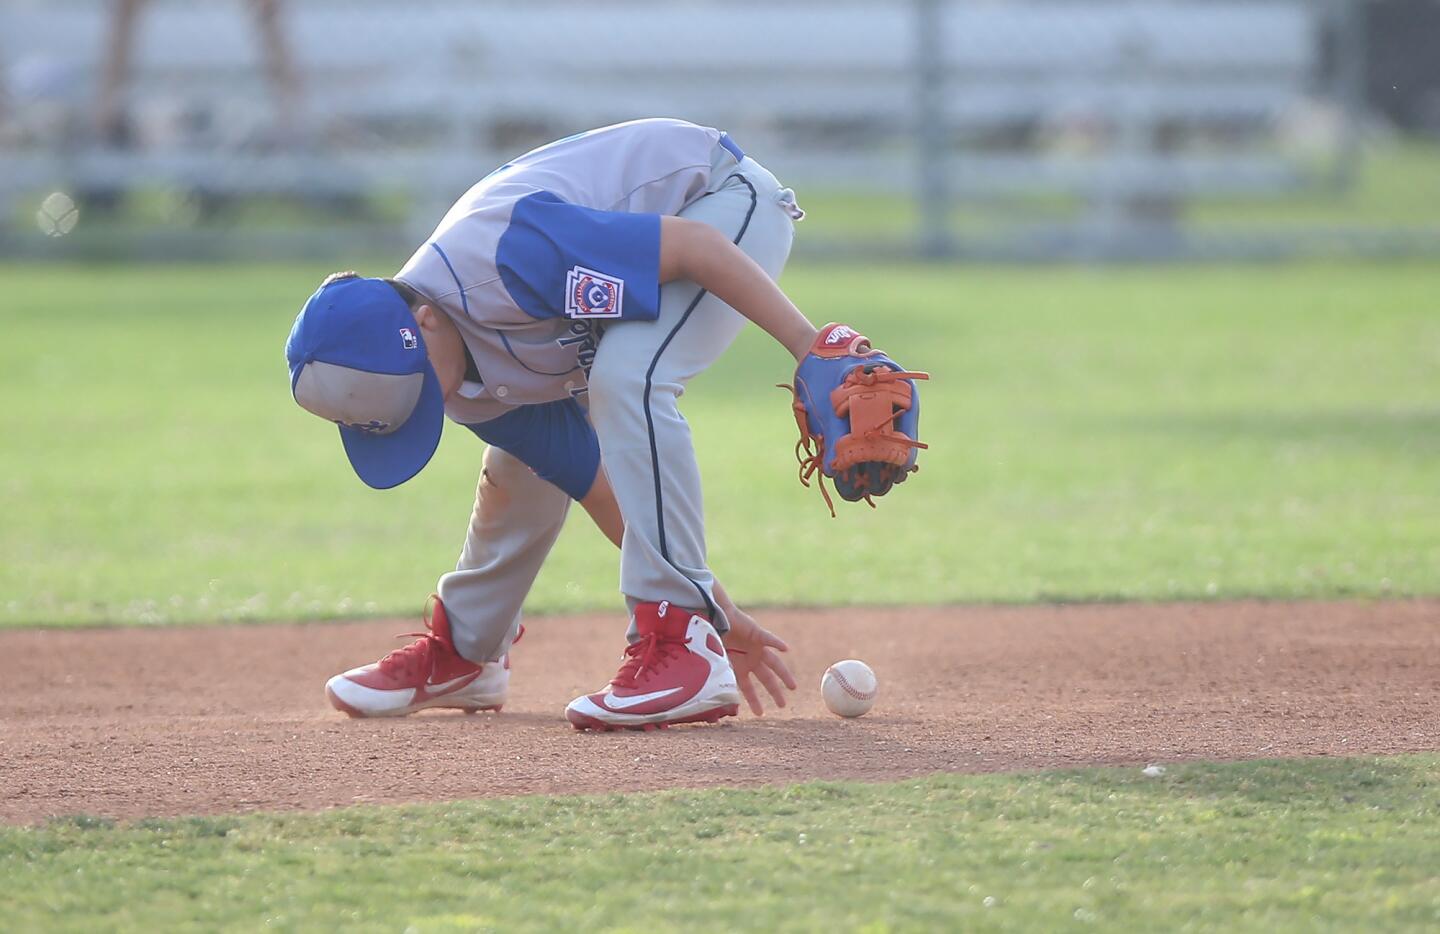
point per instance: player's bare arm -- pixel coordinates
(701, 254)
(872, 433)
(604, 510)
(754, 650)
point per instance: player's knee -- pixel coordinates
(616, 386)
(613, 376)
(626, 396)
(501, 467)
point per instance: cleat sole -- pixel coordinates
(341, 706)
(583, 723)
(439, 703)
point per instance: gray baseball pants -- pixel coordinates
(641, 369)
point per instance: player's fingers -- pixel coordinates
(772, 684)
(777, 664)
(774, 641)
(747, 688)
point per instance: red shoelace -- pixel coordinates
(415, 657)
(411, 659)
(653, 651)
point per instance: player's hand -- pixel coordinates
(755, 655)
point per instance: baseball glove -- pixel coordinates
(859, 416)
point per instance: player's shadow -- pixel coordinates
(894, 733)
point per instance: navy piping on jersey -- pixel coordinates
(464, 302)
(503, 339)
(650, 419)
(506, 341)
(729, 146)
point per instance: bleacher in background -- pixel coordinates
(1115, 111)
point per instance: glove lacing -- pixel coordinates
(810, 449)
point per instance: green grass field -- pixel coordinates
(1158, 433)
(1171, 432)
(1273, 846)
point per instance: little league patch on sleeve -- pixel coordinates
(591, 294)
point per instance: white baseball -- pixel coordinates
(849, 688)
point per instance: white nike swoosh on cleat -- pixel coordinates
(442, 687)
(432, 691)
(624, 703)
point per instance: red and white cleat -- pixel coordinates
(426, 673)
(677, 672)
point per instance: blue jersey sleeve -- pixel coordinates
(558, 259)
(553, 439)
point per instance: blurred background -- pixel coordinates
(1053, 129)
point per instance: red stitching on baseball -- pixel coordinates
(848, 688)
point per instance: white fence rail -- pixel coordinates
(1127, 108)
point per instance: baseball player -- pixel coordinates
(558, 311)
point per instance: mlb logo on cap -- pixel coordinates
(347, 366)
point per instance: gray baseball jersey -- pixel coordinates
(553, 244)
(550, 268)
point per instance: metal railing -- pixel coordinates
(1072, 128)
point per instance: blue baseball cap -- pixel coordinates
(357, 358)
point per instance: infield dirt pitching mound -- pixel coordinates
(144, 722)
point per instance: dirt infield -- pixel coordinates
(142, 722)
